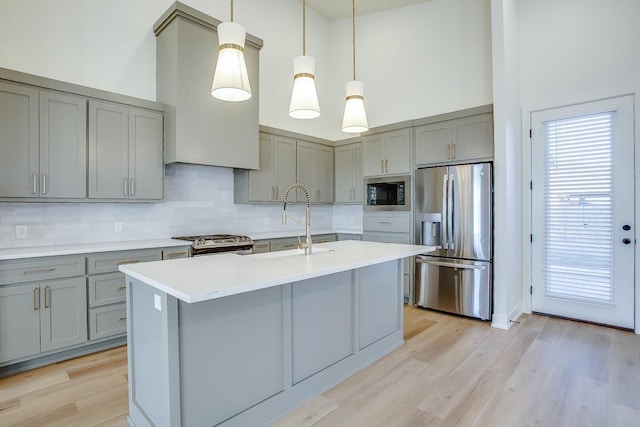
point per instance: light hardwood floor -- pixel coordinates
(451, 371)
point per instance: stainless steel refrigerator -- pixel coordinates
(453, 211)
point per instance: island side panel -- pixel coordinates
(231, 354)
(322, 323)
(152, 347)
(379, 302)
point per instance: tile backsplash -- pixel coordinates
(198, 200)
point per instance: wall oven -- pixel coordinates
(389, 193)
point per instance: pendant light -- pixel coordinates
(304, 99)
(231, 80)
(355, 117)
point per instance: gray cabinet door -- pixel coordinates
(146, 165)
(398, 151)
(284, 165)
(108, 150)
(19, 321)
(323, 174)
(63, 146)
(373, 155)
(380, 308)
(18, 141)
(305, 153)
(358, 184)
(433, 143)
(344, 173)
(261, 181)
(473, 137)
(63, 308)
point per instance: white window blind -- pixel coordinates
(578, 208)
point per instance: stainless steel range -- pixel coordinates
(219, 243)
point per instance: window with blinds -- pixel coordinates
(578, 208)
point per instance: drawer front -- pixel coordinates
(37, 269)
(284, 244)
(110, 261)
(175, 253)
(388, 223)
(323, 238)
(107, 321)
(107, 288)
(261, 247)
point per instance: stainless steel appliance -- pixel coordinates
(389, 193)
(219, 243)
(453, 211)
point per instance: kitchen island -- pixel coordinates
(238, 340)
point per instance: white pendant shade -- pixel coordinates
(304, 98)
(231, 80)
(355, 117)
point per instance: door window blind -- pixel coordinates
(578, 208)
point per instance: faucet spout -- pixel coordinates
(307, 225)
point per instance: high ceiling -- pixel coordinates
(340, 9)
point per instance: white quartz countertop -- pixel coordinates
(208, 277)
(84, 248)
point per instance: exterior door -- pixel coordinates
(583, 231)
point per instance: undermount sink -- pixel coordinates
(291, 252)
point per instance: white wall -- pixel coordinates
(576, 51)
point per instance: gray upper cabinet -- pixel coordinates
(277, 171)
(457, 140)
(125, 152)
(387, 153)
(315, 171)
(43, 142)
(200, 128)
(348, 173)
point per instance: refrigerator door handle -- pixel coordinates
(450, 213)
(451, 264)
(444, 238)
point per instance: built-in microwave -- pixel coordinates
(389, 193)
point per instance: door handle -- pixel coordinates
(451, 264)
(448, 151)
(125, 187)
(47, 297)
(132, 186)
(36, 299)
(626, 241)
(454, 151)
(444, 240)
(382, 166)
(450, 207)
(386, 165)
(44, 184)
(35, 183)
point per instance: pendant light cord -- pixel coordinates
(304, 27)
(231, 10)
(353, 26)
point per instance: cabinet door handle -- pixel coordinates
(448, 151)
(35, 183)
(454, 151)
(125, 187)
(132, 187)
(386, 165)
(277, 192)
(123, 319)
(36, 297)
(272, 196)
(44, 184)
(47, 297)
(121, 288)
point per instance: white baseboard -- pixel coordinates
(501, 321)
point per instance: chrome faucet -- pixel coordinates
(307, 225)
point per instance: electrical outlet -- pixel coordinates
(117, 226)
(22, 232)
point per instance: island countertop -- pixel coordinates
(209, 277)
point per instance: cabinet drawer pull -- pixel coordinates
(35, 183)
(47, 296)
(132, 187)
(177, 254)
(36, 297)
(130, 261)
(385, 222)
(123, 319)
(122, 288)
(40, 271)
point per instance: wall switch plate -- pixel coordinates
(22, 232)
(117, 226)
(157, 302)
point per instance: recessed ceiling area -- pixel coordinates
(340, 9)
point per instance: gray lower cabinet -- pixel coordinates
(41, 317)
(125, 152)
(107, 288)
(43, 143)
